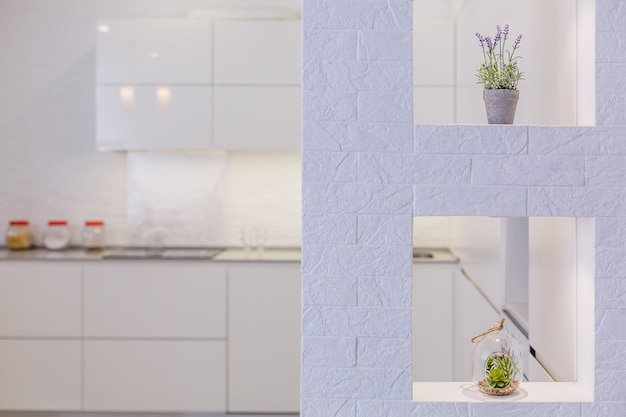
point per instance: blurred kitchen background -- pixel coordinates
(50, 166)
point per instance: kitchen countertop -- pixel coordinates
(79, 254)
(266, 255)
(421, 255)
(434, 255)
(41, 254)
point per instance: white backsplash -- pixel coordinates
(432, 231)
(213, 198)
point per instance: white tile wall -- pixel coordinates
(212, 198)
(502, 171)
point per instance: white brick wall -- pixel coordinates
(367, 171)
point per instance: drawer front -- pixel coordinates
(40, 300)
(155, 376)
(155, 300)
(40, 375)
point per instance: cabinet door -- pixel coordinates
(257, 118)
(433, 333)
(154, 51)
(264, 337)
(175, 376)
(40, 375)
(258, 52)
(155, 299)
(536, 372)
(40, 300)
(153, 117)
(473, 315)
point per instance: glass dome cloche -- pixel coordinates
(498, 362)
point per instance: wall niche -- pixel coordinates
(557, 51)
(537, 273)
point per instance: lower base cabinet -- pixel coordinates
(40, 375)
(433, 322)
(448, 310)
(137, 336)
(264, 338)
(155, 376)
(473, 315)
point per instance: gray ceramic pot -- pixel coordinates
(500, 105)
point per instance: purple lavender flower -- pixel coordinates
(481, 39)
(498, 35)
(499, 69)
(489, 43)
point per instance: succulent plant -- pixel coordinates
(500, 369)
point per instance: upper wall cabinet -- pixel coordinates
(212, 81)
(257, 117)
(257, 52)
(154, 117)
(148, 51)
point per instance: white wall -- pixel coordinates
(433, 70)
(49, 167)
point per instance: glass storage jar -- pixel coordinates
(497, 364)
(19, 235)
(93, 234)
(57, 235)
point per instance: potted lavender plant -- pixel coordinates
(499, 75)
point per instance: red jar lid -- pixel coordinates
(94, 223)
(18, 223)
(57, 223)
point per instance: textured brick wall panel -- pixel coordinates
(367, 169)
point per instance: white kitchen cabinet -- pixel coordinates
(264, 337)
(153, 336)
(161, 116)
(257, 117)
(477, 240)
(433, 322)
(154, 51)
(157, 299)
(40, 300)
(40, 375)
(157, 89)
(258, 52)
(181, 376)
(536, 372)
(156, 336)
(474, 314)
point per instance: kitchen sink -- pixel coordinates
(160, 253)
(423, 254)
